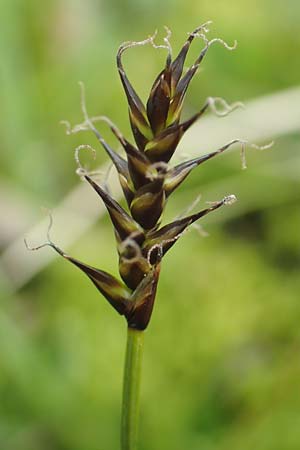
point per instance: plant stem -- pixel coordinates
(131, 389)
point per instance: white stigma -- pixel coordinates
(229, 200)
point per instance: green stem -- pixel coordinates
(131, 389)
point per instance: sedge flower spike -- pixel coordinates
(147, 178)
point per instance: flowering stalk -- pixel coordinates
(131, 389)
(147, 180)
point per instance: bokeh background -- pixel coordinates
(222, 355)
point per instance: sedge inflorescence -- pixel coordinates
(148, 179)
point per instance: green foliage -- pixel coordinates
(221, 354)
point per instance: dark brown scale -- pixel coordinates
(148, 204)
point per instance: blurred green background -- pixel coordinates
(222, 353)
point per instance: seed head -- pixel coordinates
(147, 178)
